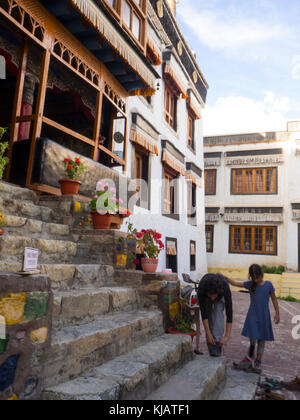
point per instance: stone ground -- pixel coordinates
(282, 358)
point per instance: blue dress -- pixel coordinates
(258, 324)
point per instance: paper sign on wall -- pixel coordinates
(31, 259)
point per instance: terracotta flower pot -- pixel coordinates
(69, 186)
(149, 265)
(173, 331)
(101, 221)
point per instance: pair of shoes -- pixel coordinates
(294, 385)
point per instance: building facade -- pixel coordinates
(252, 199)
(115, 83)
(166, 147)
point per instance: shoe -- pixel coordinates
(294, 385)
(198, 352)
(257, 367)
(245, 365)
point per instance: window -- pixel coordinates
(192, 200)
(132, 15)
(210, 176)
(171, 249)
(141, 172)
(169, 192)
(191, 132)
(253, 239)
(193, 256)
(254, 181)
(170, 107)
(209, 232)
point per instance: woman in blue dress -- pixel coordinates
(258, 324)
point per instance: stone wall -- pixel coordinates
(155, 291)
(26, 306)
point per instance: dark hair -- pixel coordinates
(211, 286)
(255, 271)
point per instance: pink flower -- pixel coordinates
(112, 190)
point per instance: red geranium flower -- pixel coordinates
(157, 236)
(67, 160)
(77, 160)
(139, 235)
(70, 167)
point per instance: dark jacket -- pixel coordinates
(205, 302)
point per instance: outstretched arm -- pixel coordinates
(233, 282)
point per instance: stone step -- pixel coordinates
(26, 208)
(71, 276)
(11, 191)
(76, 349)
(239, 386)
(23, 226)
(131, 376)
(51, 251)
(201, 379)
(79, 307)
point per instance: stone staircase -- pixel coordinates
(105, 344)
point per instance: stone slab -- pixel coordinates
(200, 379)
(128, 377)
(239, 386)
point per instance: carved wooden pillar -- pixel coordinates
(27, 106)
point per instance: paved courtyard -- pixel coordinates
(282, 358)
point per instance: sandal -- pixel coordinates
(245, 365)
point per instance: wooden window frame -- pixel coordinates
(193, 264)
(191, 132)
(214, 181)
(253, 181)
(211, 230)
(168, 256)
(253, 250)
(170, 107)
(140, 11)
(141, 154)
(192, 189)
(172, 176)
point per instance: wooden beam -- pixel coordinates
(97, 125)
(109, 153)
(39, 112)
(17, 103)
(66, 130)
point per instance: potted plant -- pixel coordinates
(183, 321)
(106, 208)
(70, 183)
(1, 223)
(3, 148)
(150, 245)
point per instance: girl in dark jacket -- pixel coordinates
(215, 298)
